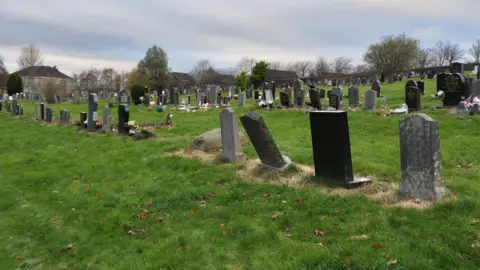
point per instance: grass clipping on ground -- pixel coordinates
(302, 176)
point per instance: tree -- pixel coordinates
(321, 66)
(88, 80)
(155, 64)
(107, 77)
(392, 53)
(475, 51)
(446, 53)
(14, 84)
(361, 68)
(29, 56)
(200, 69)
(302, 68)
(424, 58)
(259, 73)
(137, 91)
(3, 69)
(241, 81)
(276, 65)
(134, 77)
(245, 64)
(341, 64)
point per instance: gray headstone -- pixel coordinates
(20, 112)
(338, 92)
(370, 100)
(14, 106)
(37, 111)
(475, 88)
(263, 142)
(353, 96)
(231, 148)
(299, 93)
(420, 159)
(269, 96)
(241, 99)
(105, 127)
(92, 109)
(199, 98)
(49, 115)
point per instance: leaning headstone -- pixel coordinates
(49, 115)
(420, 159)
(334, 101)
(353, 96)
(376, 87)
(241, 99)
(92, 112)
(370, 100)
(123, 117)
(331, 150)
(263, 142)
(453, 85)
(105, 127)
(315, 99)
(412, 98)
(231, 147)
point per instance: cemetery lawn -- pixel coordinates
(74, 200)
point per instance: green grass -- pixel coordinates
(60, 187)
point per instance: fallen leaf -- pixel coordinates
(276, 215)
(101, 222)
(115, 150)
(66, 249)
(348, 263)
(377, 245)
(97, 194)
(149, 203)
(211, 195)
(318, 233)
(475, 221)
(221, 225)
(143, 215)
(203, 204)
(320, 244)
(193, 211)
(245, 195)
(17, 258)
(392, 262)
(107, 177)
(278, 195)
(299, 200)
(266, 195)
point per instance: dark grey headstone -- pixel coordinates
(412, 98)
(338, 92)
(263, 142)
(334, 101)
(49, 115)
(315, 99)
(146, 100)
(83, 118)
(14, 107)
(231, 147)
(457, 68)
(376, 87)
(92, 111)
(421, 86)
(123, 118)
(370, 100)
(453, 85)
(353, 96)
(420, 159)
(299, 93)
(42, 111)
(322, 93)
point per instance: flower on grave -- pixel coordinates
(159, 108)
(269, 102)
(440, 93)
(98, 123)
(132, 124)
(261, 103)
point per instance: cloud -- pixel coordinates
(118, 32)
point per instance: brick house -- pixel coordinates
(37, 79)
(180, 79)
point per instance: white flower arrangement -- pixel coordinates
(269, 102)
(440, 93)
(261, 103)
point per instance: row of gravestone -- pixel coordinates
(14, 108)
(419, 150)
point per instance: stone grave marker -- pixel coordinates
(338, 92)
(146, 100)
(322, 93)
(457, 68)
(421, 86)
(263, 142)
(20, 112)
(241, 99)
(92, 112)
(299, 93)
(468, 86)
(49, 115)
(412, 98)
(334, 101)
(83, 118)
(353, 97)
(269, 97)
(14, 106)
(284, 99)
(370, 100)
(123, 118)
(290, 95)
(42, 111)
(315, 99)
(199, 98)
(331, 150)
(453, 85)
(420, 159)
(272, 87)
(231, 147)
(376, 87)
(105, 127)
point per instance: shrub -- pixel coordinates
(137, 91)
(14, 84)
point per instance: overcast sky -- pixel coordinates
(77, 35)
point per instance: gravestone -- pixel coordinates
(322, 93)
(199, 98)
(1, 105)
(412, 98)
(315, 99)
(263, 142)
(123, 118)
(20, 111)
(468, 86)
(14, 107)
(83, 118)
(457, 68)
(176, 98)
(353, 97)
(241, 99)
(411, 83)
(453, 85)
(272, 88)
(329, 93)
(171, 95)
(284, 100)
(231, 147)
(105, 127)
(334, 101)
(92, 112)
(256, 95)
(475, 89)
(331, 150)
(420, 159)
(376, 87)
(269, 97)
(299, 93)
(49, 115)
(338, 92)
(289, 95)
(164, 99)
(188, 100)
(146, 100)
(370, 100)
(42, 111)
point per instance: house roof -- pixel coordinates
(274, 75)
(42, 71)
(183, 77)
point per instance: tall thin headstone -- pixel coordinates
(376, 87)
(105, 127)
(42, 111)
(92, 112)
(420, 159)
(299, 93)
(241, 99)
(412, 98)
(334, 101)
(83, 118)
(231, 147)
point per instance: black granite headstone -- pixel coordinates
(412, 98)
(83, 118)
(421, 86)
(123, 118)
(49, 115)
(273, 90)
(331, 150)
(322, 93)
(315, 99)
(334, 101)
(453, 85)
(457, 68)
(376, 87)
(284, 100)
(256, 94)
(42, 111)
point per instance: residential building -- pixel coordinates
(45, 80)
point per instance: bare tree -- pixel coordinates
(245, 64)
(29, 56)
(302, 68)
(392, 54)
(88, 80)
(108, 79)
(361, 68)
(200, 69)
(341, 64)
(276, 65)
(475, 51)
(321, 66)
(446, 53)
(424, 58)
